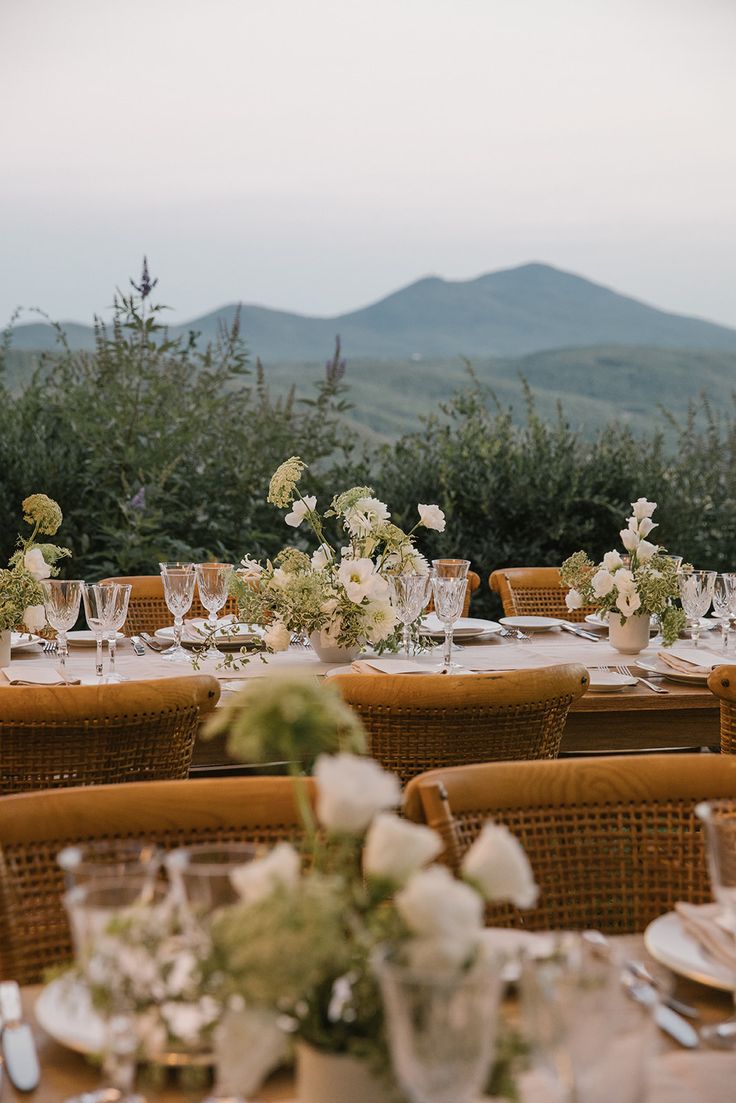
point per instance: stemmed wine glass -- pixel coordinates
(410, 593)
(724, 600)
(106, 607)
(178, 579)
(719, 819)
(61, 599)
(213, 583)
(449, 585)
(118, 611)
(696, 593)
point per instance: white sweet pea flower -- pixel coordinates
(628, 601)
(321, 557)
(431, 517)
(629, 539)
(36, 565)
(497, 864)
(645, 526)
(645, 551)
(300, 509)
(351, 791)
(612, 561)
(365, 515)
(277, 636)
(34, 618)
(442, 911)
(642, 508)
(395, 848)
(573, 600)
(602, 582)
(358, 578)
(280, 868)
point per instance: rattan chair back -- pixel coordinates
(534, 592)
(473, 585)
(60, 736)
(417, 723)
(34, 827)
(613, 842)
(722, 682)
(147, 608)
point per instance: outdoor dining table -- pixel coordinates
(677, 1076)
(631, 719)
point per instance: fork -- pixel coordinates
(650, 685)
(49, 647)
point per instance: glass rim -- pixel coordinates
(177, 565)
(198, 859)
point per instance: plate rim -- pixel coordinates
(674, 675)
(542, 624)
(674, 963)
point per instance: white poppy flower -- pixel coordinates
(351, 791)
(431, 517)
(357, 576)
(300, 509)
(395, 848)
(498, 865)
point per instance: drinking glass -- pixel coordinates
(118, 611)
(441, 1028)
(449, 597)
(724, 598)
(451, 568)
(719, 820)
(696, 592)
(213, 583)
(178, 579)
(61, 599)
(96, 604)
(105, 858)
(410, 593)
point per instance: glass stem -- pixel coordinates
(178, 629)
(98, 656)
(725, 633)
(447, 658)
(121, 1046)
(62, 651)
(406, 636)
(112, 645)
(695, 632)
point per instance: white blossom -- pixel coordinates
(395, 848)
(573, 599)
(645, 551)
(300, 509)
(277, 636)
(445, 914)
(359, 578)
(645, 526)
(602, 582)
(321, 557)
(642, 508)
(498, 865)
(34, 618)
(249, 570)
(36, 565)
(351, 791)
(431, 517)
(628, 601)
(612, 561)
(255, 880)
(380, 622)
(365, 515)
(629, 539)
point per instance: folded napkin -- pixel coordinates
(702, 923)
(389, 666)
(690, 661)
(35, 674)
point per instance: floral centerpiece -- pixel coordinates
(21, 595)
(340, 598)
(636, 588)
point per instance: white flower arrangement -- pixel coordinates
(344, 593)
(21, 595)
(644, 586)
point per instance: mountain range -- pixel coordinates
(511, 313)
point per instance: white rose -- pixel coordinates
(573, 600)
(629, 539)
(498, 865)
(612, 561)
(34, 618)
(395, 849)
(277, 636)
(351, 791)
(645, 551)
(300, 509)
(628, 601)
(321, 557)
(602, 582)
(357, 576)
(280, 868)
(435, 905)
(642, 508)
(36, 565)
(431, 517)
(645, 526)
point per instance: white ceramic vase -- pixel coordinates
(4, 649)
(631, 636)
(326, 650)
(336, 1078)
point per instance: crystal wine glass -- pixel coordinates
(213, 583)
(719, 819)
(96, 605)
(441, 1028)
(410, 594)
(178, 579)
(696, 592)
(451, 568)
(100, 859)
(118, 611)
(449, 598)
(61, 599)
(723, 602)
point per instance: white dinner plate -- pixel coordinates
(532, 624)
(225, 637)
(608, 681)
(668, 944)
(656, 666)
(466, 628)
(85, 638)
(21, 640)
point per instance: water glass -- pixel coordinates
(719, 819)
(213, 583)
(696, 593)
(61, 598)
(105, 858)
(724, 601)
(441, 1028)
(201, 876)
(449, 598)
(178, 579)
(118, 612)
(96, 609)
(410, 593)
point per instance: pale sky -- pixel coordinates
(314, 155)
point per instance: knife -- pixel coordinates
(666, 1019)
(580, 632)
(19, 1048)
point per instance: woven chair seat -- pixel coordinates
(534, 592)
(147, 608)
(613, 842)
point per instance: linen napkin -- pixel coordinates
(691, 661)
(701, 922)
(389, 666)
(35, 674)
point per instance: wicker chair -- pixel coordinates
(473, 585)
(534, 592)
(417, 723)
(147, 609)
(722, 682)
(60, 736)
(613, 842)
(35, 826)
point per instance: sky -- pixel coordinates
(315, 155)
